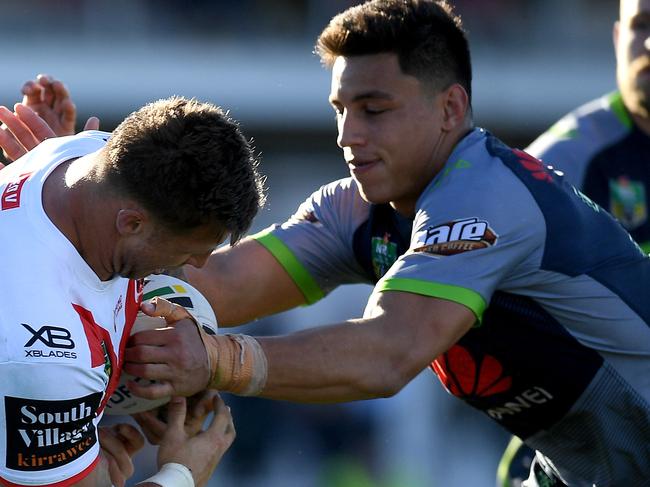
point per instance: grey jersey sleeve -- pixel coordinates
(315, 245)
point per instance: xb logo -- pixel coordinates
(51, 336)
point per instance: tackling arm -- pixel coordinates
(400, 334)
(244, 282)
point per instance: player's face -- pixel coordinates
(632, 44)
(389, 128)
(159, 249)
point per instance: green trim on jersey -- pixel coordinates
(503, 470)
(461, 295)
(618, 108)
(645, 246)
(292, 265)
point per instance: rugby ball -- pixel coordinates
(122, 401)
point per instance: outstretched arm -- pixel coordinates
(400, 334)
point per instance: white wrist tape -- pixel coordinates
(172, 475)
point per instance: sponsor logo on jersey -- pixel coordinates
(56, 338)
(627, 202)
(42, 435)
(50, 336)
(383, 254)
(468, 378)
(463, 377)
(458, 236)
(526, 400)
(11, 195)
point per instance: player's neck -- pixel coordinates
(76, 206)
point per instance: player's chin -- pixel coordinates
(374, 194)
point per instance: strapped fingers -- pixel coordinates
(172, 312)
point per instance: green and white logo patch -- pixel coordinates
(383, 253)
(627, 202)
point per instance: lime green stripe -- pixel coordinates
(616, 103)
(504, 465)
(464, 296)
(292, 265)
(645, 247)
(161, 291)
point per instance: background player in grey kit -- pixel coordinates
(603, 147)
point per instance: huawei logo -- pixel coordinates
(535, 166)
(463, 377)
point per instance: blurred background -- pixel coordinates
(533, 61)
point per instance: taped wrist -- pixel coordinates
(237, 363)
(172, 475)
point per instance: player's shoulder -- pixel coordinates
(483, 176)
(585, 130)
(341, 197)
(345, 188)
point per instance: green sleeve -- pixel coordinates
(467, 297)
(300, 275)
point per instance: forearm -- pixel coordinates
(337, 363)
(376, 356)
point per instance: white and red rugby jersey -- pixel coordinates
(62, 330)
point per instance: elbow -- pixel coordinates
(384, 383)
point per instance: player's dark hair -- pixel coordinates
(426, 35)
(188, 164)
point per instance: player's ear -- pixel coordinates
(130, 221)
(455, 106)
(615, 35)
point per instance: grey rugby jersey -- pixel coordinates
(604, 153)
(561, 357)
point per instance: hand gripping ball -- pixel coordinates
(122, 401)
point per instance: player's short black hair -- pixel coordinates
(426, 35)
(188, 164)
